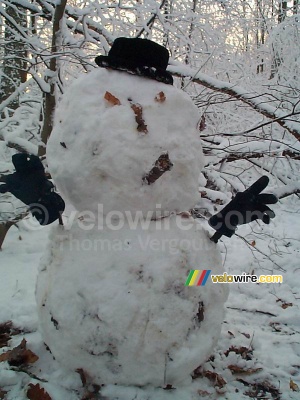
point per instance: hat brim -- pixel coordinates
(144, 71)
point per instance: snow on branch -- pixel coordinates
(151, 21)
(231, 157)
(95, 30)
(255, 100)
(16, 93)
(21, 145)
(285, 191)
(46, 11)
(291, 154)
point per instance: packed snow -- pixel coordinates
(97, 155)
(83, 293)
(263, 318)
(114, 304)
(119, 311)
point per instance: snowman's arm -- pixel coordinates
(31, 186)
(7, 182)
(4, 188)
(246, 207)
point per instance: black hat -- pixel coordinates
(138, 57)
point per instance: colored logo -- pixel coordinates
(197, 277)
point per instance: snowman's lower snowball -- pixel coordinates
(117, 306)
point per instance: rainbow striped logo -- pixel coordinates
(197, 277)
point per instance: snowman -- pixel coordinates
(125, 152)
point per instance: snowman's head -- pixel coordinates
(126, 142)
(138, 56)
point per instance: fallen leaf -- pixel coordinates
(90, 396)
(138, 112)
(293, 386)
(5, 335)
(197, 373)
(20, 355)
(259, 390)
(2, 394)
(286, 305)
(253, 243)
(239, 370)
(201, 311)
(93, 394)
(5, 327)
(215, 378)
(185, 214)
(7, 330)
(160, 97)
(219, 201)
(203, 393)
(114, 101)
(202, 124)
(169, 387)
(276, 326)
(245, 352)
(246, 335)
(35, 392)
(83, 376)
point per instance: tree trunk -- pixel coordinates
(4, 228)
(281, 17)
(52, 78)
(295, 6)
(260, 34)
(282, 10)
(245, 28)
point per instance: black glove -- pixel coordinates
(3, 188)
(48, 209)
(26, 163)
(30, 185)
(247, 206)
(29, 181)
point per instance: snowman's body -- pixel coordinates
(111, 297)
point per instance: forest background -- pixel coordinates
(239, 61)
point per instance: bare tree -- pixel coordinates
(252, 122)
(14, 57)
(53, 75)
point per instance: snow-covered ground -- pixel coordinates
(258, 355)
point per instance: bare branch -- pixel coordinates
(254, 100)
(17, 92)
(291, 154)
(150, 22)
(241, 156)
